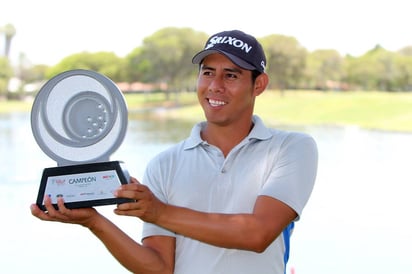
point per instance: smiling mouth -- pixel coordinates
(216, 103)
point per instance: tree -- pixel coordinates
(9, 32)
(6, 72)
(286, 60)
(376, 69)
(403, 62)
(166, 57)
(323, 67)
(406, 51)
(106, 63)
(138, 66)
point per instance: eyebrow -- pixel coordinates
(235, 70)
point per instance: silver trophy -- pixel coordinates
(79, 118)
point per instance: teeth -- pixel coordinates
(216, 103)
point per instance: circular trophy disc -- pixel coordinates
(79, 116)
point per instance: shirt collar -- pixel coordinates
(258, 132)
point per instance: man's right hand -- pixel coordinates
(82, 216)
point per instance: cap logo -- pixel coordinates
(237, 43)
(263, 65)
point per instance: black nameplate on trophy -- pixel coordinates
(84, 185)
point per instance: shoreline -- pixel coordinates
(378, 111)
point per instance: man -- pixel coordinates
(225, 199)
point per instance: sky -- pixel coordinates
(49, 30)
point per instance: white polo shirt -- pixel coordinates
(196, 175)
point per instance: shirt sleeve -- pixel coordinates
(293, 173)
(152, 179)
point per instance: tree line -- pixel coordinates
(165, 57)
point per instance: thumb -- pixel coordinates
(133, 180)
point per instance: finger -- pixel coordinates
(137, 205)
(131, 213)
(133, 180)
(134, 195)
(62, 208)
(126, 187)
(135, 191)
(37, 212)
(48, 204)
(43, 215)
(53, 213)
(128, 210)
(128, 206)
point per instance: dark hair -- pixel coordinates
(255, 74)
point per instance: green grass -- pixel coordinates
(15, 106)
(139, 101)
(373, 110)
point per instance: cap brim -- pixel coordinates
(198, 58)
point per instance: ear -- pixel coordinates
(261, 83)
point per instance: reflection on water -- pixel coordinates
(146, 128)
(356, 220)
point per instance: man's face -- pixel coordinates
(225, 91)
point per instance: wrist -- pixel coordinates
(93, 222)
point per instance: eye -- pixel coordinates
(207, 73)
(231, 76)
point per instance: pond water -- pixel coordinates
(357, 220)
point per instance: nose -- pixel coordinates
(217, 84)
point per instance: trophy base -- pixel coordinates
(84, 185)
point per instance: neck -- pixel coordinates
(225, 137)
